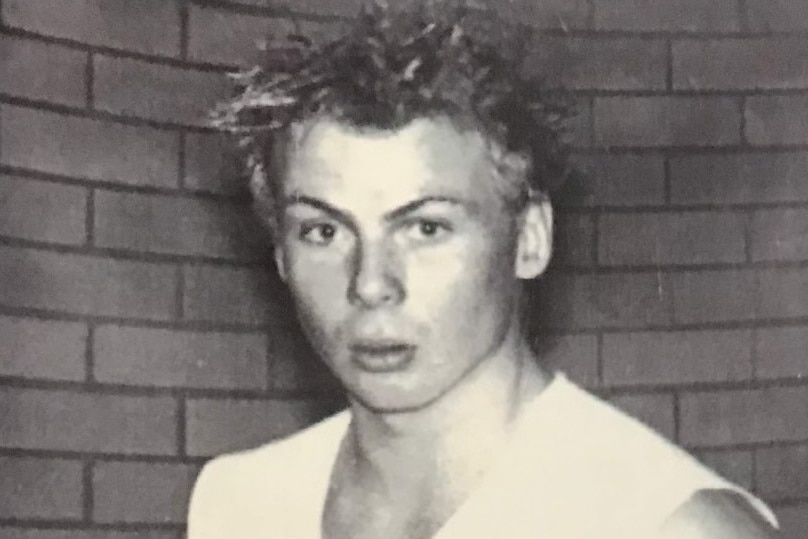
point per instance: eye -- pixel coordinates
(318, 233)
(427, 229)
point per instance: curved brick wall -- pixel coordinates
(140, 332)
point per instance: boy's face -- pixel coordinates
(401, 256)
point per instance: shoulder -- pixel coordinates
(717, 514)
(238, 489)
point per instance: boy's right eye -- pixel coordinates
(318, 233)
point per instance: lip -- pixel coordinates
(382, 356)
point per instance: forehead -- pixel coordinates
(383, 168)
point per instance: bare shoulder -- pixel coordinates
(717, 514)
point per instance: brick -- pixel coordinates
(673, 15)
(671, 238)
(782, 293)
(218, 426)
(88, 148)
(622, 180)
(69, 421)
(212, 164)
(86, 285)
(739, 178)
(171, 225)
(36, 70)
(609, 300)
(677, 357)
(773, 120)
(733, 465)
(780, 234)
(221, 37)
(574, 240)
(333, 7)
(575, 355)
(147, 26)
(744, 416)
(713, 296)
(155, 91)
(598, 63)
(749, 64)
(793, 521)
(655, 410)
(40, 488)
(42, 349)
(777, 15)
(159, 357)
(30, 533)
(782, 472)
(780, 352)
(562, 14)
(294, 366)
(235, 295)
(579, 128)
(666, 121)
(153, 493)
(44, 211)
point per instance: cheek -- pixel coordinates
(318, 286)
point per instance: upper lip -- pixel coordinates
(380, 346)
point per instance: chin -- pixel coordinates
(389, 399)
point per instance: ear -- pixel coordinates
(535, 243)
(280, 261)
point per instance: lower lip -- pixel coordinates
(383, 361)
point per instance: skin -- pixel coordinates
(406, 265)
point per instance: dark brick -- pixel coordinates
(777, 15)
(793, 521)
(141, 492)
(744, 416)
(739, 178)
(609, 300)
(671, 238)
(781, 293)
(563, 14)
(575, 355)
(159, 357)
(781, 352)
(218, 426)
(598, 63)
(622, 180)
(39, 349)
(222, 37)
(68, 421)
(44, 211)
(580, 126)
(40, 488)
(666, 121)
(212, 164)
(713, 296)
(772, 120)
(148, 26)
(88, 148)
(22, 533)
(758, 63)
(36, 70)
(85, 284)
(780, 234)
(156, 92)
(655, 410)
(733, 465)
(677, 357)
(240, 295)
(673, 15)
(333, 7)
(782, 472)
(574, 240)
(172, 225)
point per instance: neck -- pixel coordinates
(463, 429)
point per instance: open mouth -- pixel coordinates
(382, 356)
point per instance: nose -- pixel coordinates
(376, 277)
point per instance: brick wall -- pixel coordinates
(141, 332)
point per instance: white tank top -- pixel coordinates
(576, 468)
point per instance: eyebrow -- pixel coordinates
(389, 216)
